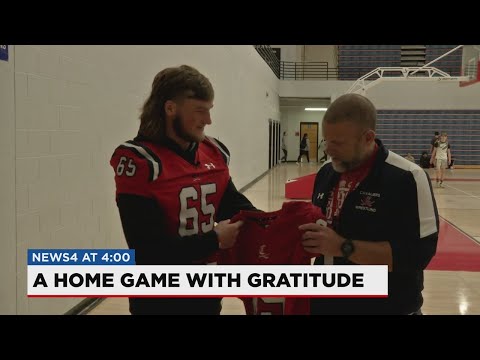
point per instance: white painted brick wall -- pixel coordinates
(65, 142)
(48, 169)
(21, 278)
(48, 63)
(49, 218)
(70, 118)
(78, 94)
(36, 89)
(38, 195)
(22, 113)
(28, 227)
(39, 143)
(21, 198)
(8, 259)
(57, 90)
(21, 86)
(26, 170)
(21, 143)
(27, 60)
(68, 215)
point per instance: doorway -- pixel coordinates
(273, 143)
(310, 128)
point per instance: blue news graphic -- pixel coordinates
(4, 52)
(81, 257)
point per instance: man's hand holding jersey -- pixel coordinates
(320, 239)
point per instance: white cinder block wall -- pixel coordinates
(8, 258)
(69, 107)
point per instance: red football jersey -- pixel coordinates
(188, 194)
(273, 238)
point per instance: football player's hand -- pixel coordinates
(227, 233)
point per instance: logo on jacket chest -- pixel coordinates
(262, 254)
(368, 201)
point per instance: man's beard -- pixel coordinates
(345, 166)
(180, 131)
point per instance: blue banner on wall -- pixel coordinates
(4, 52)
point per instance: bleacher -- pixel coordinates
(451, 64)
(410, 131)
(355, 61)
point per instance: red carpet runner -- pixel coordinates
(455, 251)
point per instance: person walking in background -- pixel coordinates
(304, 148)
(441, 157)
(380, 210)
(433, 141)
(284, 147)
(322, 150)
(173, 187)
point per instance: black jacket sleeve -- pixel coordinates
(232, 202)
(145, 231)
(414, 242)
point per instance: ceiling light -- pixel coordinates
(315, 109)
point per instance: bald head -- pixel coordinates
(354, 108)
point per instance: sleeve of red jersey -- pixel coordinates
(133, 171)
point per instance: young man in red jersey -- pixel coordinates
(173, 184)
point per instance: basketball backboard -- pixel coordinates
(471, 64)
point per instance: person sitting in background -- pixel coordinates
(410, 157)
(425, 160)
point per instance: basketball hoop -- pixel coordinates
(471, 64)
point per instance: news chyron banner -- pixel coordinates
(113, 273)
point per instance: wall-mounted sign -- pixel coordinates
(4, 52)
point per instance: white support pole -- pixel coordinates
(441, 56)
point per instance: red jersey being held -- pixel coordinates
(273, 238)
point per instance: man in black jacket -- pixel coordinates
(380, 210)
(173, 184)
